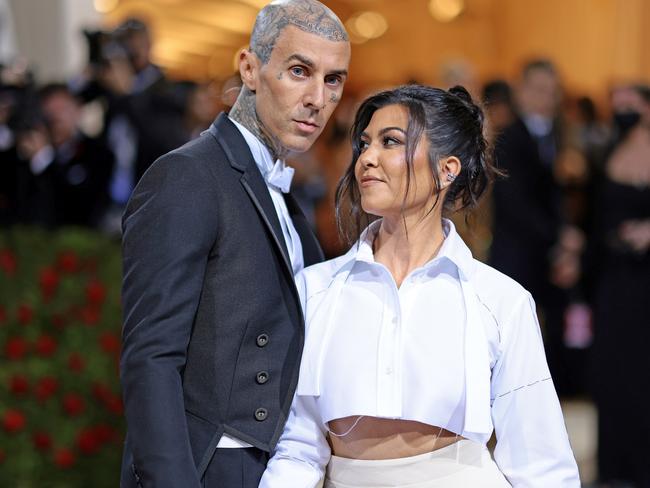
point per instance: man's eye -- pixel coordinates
(333, 80)
(298, 71)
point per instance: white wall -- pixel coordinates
(48, 34)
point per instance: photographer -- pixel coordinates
(144, 112)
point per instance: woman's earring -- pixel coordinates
(451, 177)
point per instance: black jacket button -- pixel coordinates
(262, 377)
(262, 340)
(261, 414)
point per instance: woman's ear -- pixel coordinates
(449, 169)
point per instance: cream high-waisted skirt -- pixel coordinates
(464, 464)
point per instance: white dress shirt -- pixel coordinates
(265, 163)
(457, 345)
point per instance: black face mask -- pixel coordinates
(624, 121)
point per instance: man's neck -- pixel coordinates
(243, 111)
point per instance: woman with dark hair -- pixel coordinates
(619, 267)
(414, 351)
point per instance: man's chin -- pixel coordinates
(299, 144)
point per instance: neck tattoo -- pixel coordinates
(243, 111)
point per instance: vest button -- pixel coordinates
(262, 377)
(262, 340)
(261, 414)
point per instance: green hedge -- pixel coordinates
(61, 422)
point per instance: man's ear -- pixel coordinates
(249, 68)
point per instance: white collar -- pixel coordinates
(453, 248)
(260, 152)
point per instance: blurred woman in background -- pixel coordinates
(620, 263)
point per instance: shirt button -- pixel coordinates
(389, 370)
(394, 321)
(261, 414)
(262, 377)
(262, 340)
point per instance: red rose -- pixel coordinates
(76, 362)
(18, 384)
(25, 314)
(42, 441)
(58, 321)
(109, 343)
(87, 441)
(90, 315)
(49, 281)
(101, 392)
(13, 421)
(64, 458)
(46, 387)
(95, 292)
(73, 404)
(15, 348)
(46, 346)
(103, 433)
(8, 262)
(114, 404)
(68, 262)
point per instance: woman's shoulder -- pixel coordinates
(499, 293)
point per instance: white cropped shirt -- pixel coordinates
(456, 346)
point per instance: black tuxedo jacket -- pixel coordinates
(213, 329)
(527, 210)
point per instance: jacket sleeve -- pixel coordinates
(532, 444)
(168, 231)
(302, 452)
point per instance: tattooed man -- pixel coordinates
(213, 328)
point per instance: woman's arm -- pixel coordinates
(532, 444)
(302, 452)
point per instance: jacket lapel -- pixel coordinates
(311, 250)
(240, 158)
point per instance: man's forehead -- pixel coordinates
(294, 42)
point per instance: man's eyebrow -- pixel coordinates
(309, 63)
(306, 61)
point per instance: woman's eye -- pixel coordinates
(363, 145)
(391, 141)
(298, 71)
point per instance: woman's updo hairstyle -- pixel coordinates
(453, 126)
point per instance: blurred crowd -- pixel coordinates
(569, 219)
(72, 152)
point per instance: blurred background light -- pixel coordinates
(366, 25)
(446, 10)
(105, 6)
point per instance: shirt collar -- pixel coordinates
(260, 152)
(453, 248)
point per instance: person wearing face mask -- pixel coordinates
(619, 263)
(415, 352)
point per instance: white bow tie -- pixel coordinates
(280, 176)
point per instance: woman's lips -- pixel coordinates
(370, 181)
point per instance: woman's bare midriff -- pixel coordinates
(378, 438)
